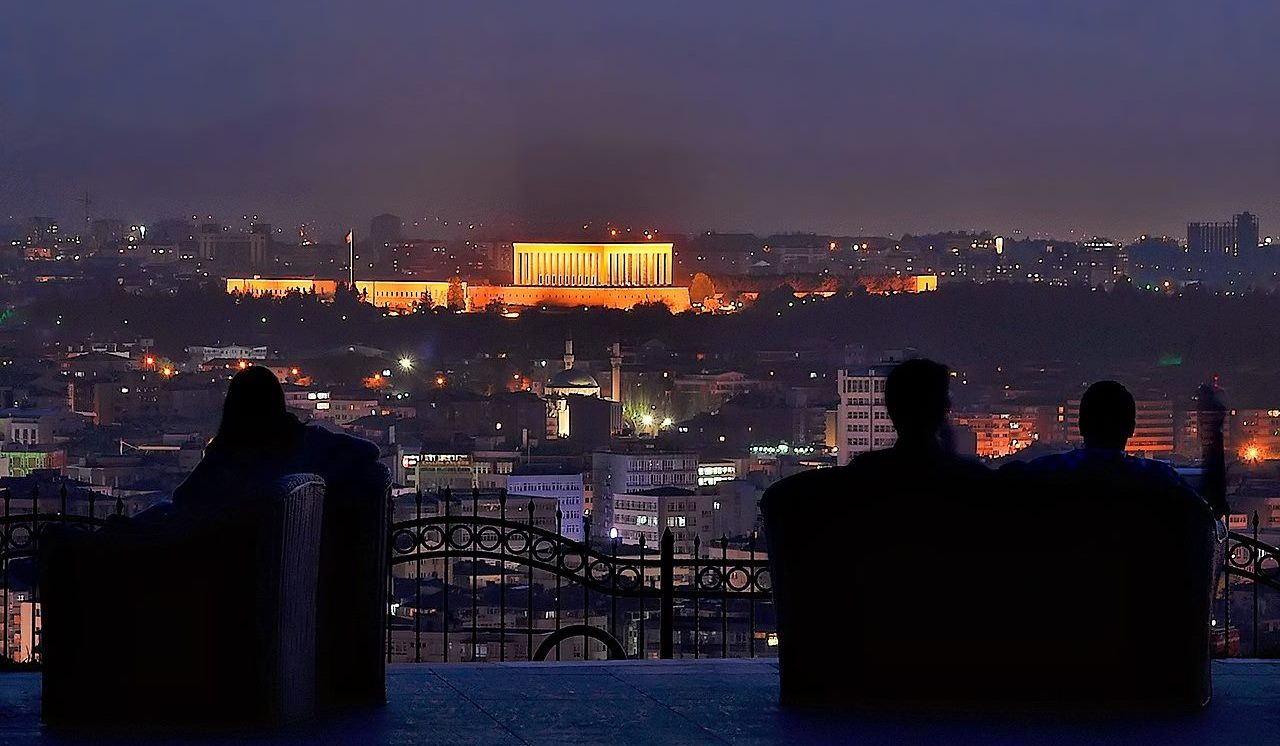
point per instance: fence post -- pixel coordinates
(417, 576)
(529, 590)
(559, 567)
(1257, 576)
(667, 582)
(586, 578)
(475, 562)
(447, 497)
(503, 537)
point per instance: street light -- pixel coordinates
(406, 363)
(647, 420)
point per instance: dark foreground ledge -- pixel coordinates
(685, 701)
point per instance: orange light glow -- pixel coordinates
(293, 371)
(149, 361)
(1252, 453)
(242, 364)
(166, 372)
(439, 380)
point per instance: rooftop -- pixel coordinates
(691, 702)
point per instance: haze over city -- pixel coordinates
(724, 372)
(1070, 120)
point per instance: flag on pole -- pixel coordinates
(351, 259)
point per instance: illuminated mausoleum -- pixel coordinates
(565, 275)
(592, 264)
(562, 275)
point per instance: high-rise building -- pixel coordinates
(550, 480)
(1225, 238)
(626, 472)
(862, 421)
(1246, 226)
(235, 250)
(385, 229)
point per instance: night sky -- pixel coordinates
(1101, 117)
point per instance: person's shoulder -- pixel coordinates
(1157, 470)
(810, 482)
(969, 466)
(330, 440)
(1053, 462)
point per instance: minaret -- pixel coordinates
(568, 353)
(615, 372)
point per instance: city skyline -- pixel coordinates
(1114, 121)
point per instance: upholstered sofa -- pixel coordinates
(1021, 590)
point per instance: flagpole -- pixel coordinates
(351, 260)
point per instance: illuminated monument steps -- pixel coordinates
(560, 275)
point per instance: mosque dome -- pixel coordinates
(574, 378)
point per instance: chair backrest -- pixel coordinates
(207, 617)
(352, 600)
(1018, 590)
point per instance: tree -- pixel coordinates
(701, 288)
(456, 299)
(425, 302)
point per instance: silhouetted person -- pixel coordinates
(1108, 416)
(917, 397)
(259, 440)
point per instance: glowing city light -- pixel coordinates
(406, 363)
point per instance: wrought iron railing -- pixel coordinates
(1249, 565)
(697, 600)
(627, 601)
(22, 521)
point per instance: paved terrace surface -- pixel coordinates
(689, 702)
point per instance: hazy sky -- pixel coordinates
(1099, 116)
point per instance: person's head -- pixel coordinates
(254, 415)
(1107, 415)
(916, 395)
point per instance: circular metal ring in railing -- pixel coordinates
(580, 630)
(629, 577)
(516, 541)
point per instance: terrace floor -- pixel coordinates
(691, 702)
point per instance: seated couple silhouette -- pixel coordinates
(918, 402)
(913, 573)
